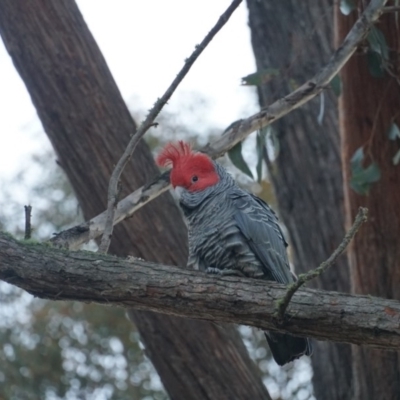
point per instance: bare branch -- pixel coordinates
(28, 226)
(57, 274)
(74, 237)
(391, 9)
(283, 303)
(236, 132)
(242, 128)
(149, 121)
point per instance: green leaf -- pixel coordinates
(374, 62)
(357, 158)
(396, 158)
(347, 6)
(393, 132)
(377, 43)
(260, 143)
(378, 53)
(260, 77)
(235, 155)
(363, 178)
(336, 85)
(273, 141)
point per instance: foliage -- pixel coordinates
(336, 85)
(394, 134)
(363, 178)
(378, 53)
(235, 155)
(64, 350)
(347, 6)
(260, 77)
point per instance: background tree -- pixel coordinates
(306, 173)
(369, 120)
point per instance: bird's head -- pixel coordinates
(192, 172)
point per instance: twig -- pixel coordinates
(148, 122)
(361, 217)
(391, 9)
(242, 128)
(236, 132)
(28, 226)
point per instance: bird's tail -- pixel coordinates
(286, 348)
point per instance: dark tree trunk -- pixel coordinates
(88, 124)
(368, 107)
(296, 38)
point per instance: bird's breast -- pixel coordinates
(217, 242)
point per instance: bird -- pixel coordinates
(230, 231)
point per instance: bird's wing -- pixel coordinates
(259, 226)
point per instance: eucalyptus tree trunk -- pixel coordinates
(89, 125)
(295, 38)
(367, 109)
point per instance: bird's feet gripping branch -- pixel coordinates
(231, 231)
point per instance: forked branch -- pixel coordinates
(283, 303)
(235, 133)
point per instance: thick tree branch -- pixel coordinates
(56, 274)
(283, 304)
(236, 132)
(112, 198)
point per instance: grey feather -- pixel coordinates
(234, 232)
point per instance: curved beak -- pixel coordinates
(179, 191)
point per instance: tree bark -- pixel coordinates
(88, 125)
(368, 107)
(296, 38)
(90, 277)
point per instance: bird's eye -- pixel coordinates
(195, 178)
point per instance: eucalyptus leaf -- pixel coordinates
(235, 155)
(393, 132)
(396, 158)
(336, 85)
(363, 178)
(377, 42)
(357, 158)
(260, 142)
(375, 67)
(273, 145)
(347, 6)
(260, 77)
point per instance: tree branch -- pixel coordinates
(283, 303)
(236, 132)
(112, 198)
(390, 9)
(55, 274)
(28, 226)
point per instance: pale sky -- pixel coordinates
(145, 44)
